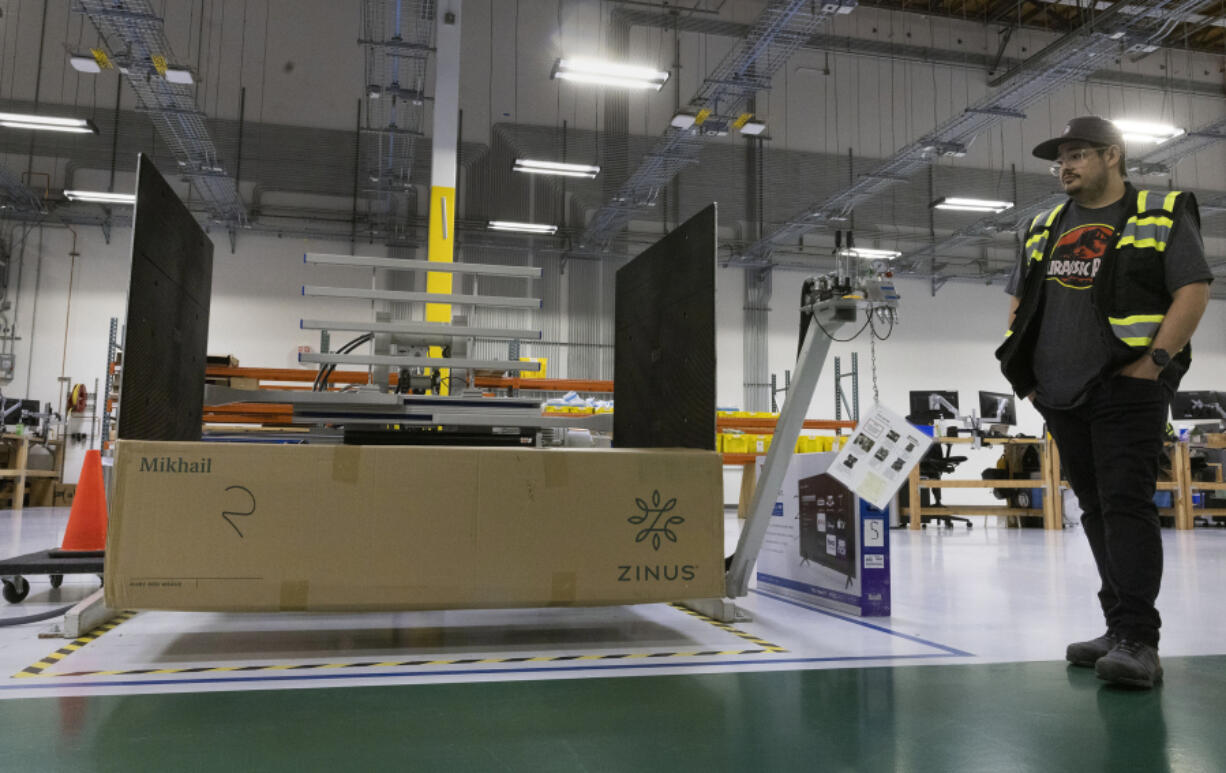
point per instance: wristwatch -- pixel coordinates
(1161, 357)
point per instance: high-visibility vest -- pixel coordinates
(1129, 292)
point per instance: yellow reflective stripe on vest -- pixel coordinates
(1135, 318)
(1142, 243)
(1152, 231)
(1136, 329)
(1036, 245)
(1168, 201)
(1052, 217)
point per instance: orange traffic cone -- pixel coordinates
(87, 520)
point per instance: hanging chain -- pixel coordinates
(872, 347)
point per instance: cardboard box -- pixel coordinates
(242, 527)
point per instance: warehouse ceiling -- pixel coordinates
(313, 180)
(1202, 31)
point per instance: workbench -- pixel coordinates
(1182, 486)
(19, 472)
(1052, 511)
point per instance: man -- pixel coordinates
(1109, 289)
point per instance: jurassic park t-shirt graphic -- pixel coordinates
(1078, 255)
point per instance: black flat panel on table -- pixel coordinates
(162, 388)
(664, 341)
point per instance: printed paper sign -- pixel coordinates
(877, 459)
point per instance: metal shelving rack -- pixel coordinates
(110, 383)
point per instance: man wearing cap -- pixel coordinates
(1108, 291)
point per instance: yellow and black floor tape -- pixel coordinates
(765, 645)
(55, 657)
(38, 669)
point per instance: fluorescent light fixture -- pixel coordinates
(871, 254)
(530, 228)
(47, 123)
(753, 128)
(1143, 131)
(101, 197)
(84, 63)
(971, 205)
(48, 127)
(683, 120)
(532, 166)
(609, 74)
(180, 75)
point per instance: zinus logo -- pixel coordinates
(655, 512)
(656, 521)
(655, 572)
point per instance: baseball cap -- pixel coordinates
(1090, 128)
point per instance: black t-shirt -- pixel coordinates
(1072, 346)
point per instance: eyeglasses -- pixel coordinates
(1074, 157)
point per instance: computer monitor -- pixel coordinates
(997, 408)
(923, 410)
(18, 411)
(1199, 405)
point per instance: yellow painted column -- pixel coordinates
(441, 247)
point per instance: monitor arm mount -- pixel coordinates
(1213, 407)
(973, 423)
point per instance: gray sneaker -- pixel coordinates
(1087, 653)
(1130, 663)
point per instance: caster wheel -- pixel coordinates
(1023, 499)
(15, 592)
(57, 580)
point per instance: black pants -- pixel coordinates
(1110, 446)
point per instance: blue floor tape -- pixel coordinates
(858, 621)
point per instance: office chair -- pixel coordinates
(933, 465)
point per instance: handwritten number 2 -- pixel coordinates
(228, 513)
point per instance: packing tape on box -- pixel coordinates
(564, 587)
(346, 463)
(294, 595)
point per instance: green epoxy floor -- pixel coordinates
(1001, 717)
